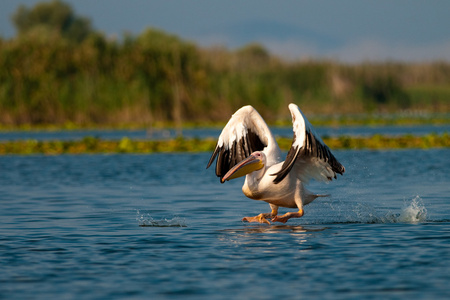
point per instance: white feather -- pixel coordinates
(278, 183)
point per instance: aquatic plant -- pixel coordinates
(180, 144)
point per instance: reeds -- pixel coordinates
(90, 145)
(156, 78)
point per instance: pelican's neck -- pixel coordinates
(256, 176)
(252, 181)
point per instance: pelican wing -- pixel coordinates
(244, 133)
(308, 152)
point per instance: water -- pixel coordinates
(158, 134)
(162, 227)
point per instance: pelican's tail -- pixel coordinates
(322, 195)
(310, 197)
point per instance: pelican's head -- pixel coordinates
(254, 162)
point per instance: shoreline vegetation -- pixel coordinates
(92, 145)
(59, 72)
(373, 120)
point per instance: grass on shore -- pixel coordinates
(392, 119)
(91, 145)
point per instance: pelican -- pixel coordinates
(247, 147)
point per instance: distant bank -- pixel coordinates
(127, 145)
(59, 70)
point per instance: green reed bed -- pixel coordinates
(126, 145)
(59, 70)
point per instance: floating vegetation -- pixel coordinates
(127, 145)
(379, 141)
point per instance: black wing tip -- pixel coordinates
(213, 156)
(210, 162)
(340, 169)
(278, 178)
(287, 165)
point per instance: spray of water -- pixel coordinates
(145, 220)
(413, 211)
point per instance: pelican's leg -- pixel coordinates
(299, 195)
(262, 218)
(287, 216)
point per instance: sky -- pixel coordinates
(344, 30)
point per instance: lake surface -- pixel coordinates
(158, 134)
(161, 226)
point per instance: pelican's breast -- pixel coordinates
(264, 188)
(252, 193)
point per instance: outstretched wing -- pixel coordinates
(244, 133)
(310, 155)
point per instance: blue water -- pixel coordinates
(158, 134)
(162, 227)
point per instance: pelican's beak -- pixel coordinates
(248, 165)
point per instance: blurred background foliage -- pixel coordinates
(59, 70)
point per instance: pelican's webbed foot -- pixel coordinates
(261, 218)
(284, 218)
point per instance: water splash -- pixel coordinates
(145, 220)
(413, 211)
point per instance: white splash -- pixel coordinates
(145, 220)
(413, 212)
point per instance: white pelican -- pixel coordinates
(247, 147)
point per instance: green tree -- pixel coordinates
(55, 16)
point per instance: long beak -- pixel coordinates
(248, 165)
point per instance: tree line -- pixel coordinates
(58, 70)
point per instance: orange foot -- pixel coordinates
(284, 218)
(261, 218)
